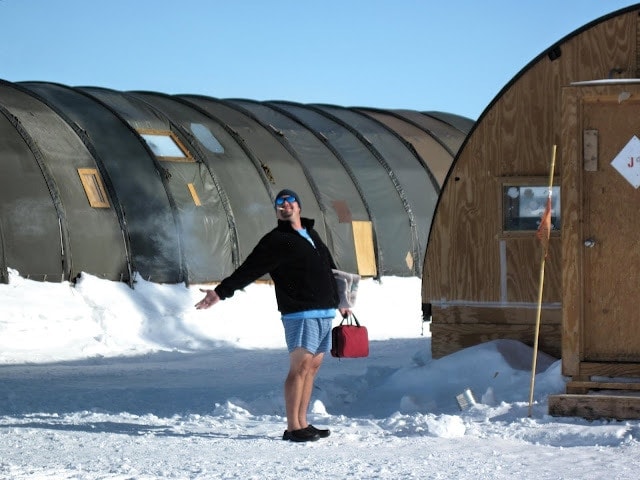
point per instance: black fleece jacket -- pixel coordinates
(301, 273)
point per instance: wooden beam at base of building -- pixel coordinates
(456, 327)
(583, 387)
(593, 407)
(450, 338)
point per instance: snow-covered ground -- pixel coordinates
(99, 381)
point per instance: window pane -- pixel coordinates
(523, 207)
(163, 146)
(207, 138)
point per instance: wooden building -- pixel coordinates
(481, 269)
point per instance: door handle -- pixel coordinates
(589, 243)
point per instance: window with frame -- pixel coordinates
(524, 203)
(94, 188)
(166, 146)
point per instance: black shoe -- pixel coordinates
(301, 435)
(322, 432)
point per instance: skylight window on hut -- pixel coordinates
(166, 146)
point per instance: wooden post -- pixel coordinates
(543, 235)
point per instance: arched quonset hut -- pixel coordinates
(179, 187)
(482, 264)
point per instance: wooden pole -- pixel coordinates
(540, 290)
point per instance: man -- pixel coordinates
(300, 266)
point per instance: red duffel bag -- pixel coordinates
(349, 340)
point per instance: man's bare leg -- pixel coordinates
(307, 391)
(303, 367)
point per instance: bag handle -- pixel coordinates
(350, 318)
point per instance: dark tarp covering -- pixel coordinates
(340, 199)
(237, 179)
(365, 175)
(374, 180)
(418, 186)
(462, 124)
(4, 274)
(281, 168)
(92, 238)
(31, 240)
(131, 173)
(436, 156)
(441, 131)
(164, 226)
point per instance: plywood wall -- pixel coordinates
(482, 282)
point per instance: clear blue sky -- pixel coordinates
(450, 55)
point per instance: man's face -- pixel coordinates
(287, 208)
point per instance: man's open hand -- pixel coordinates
(210, 299)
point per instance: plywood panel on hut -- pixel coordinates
(365, 252)
(601, 338)
(481, 283)
(461, 325)
(602, 276)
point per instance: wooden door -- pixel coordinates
(611, 231)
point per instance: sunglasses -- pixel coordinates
(289, 199)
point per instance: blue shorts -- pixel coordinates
(312, 334)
